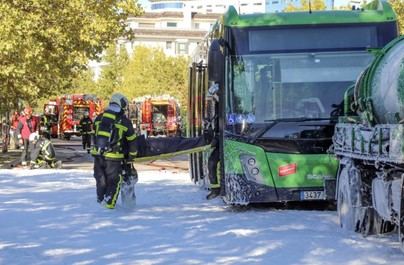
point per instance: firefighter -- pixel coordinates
(115, 143)
(86, 129)
(214, 158)
(214, 170)
(45, 125)
(43, 153)
(26, 125)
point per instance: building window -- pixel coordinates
(275, 2)
(171, 24)
(258, 4)
(196, 25)
(244, 4)
(169, 45)
(146, 25)
(157, 6)
(182, 48)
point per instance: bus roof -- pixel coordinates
(376, 11)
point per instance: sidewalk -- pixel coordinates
(6, 159)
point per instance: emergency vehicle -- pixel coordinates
(65, 113)
(156, 115)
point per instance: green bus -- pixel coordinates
(280, 80)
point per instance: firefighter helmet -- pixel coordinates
(120, 100)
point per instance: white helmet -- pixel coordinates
(33, 137)
(120, 100)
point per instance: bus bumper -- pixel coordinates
(240, 191)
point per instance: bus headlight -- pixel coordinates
(251, 161)
(255, 171)
(251, 168)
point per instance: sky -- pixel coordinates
(51, 217)
(144, 3)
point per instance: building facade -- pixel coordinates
(175, 32)
(280, 5)
(178, 26)
(208, 6)
(356, 3)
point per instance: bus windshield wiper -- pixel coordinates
(271, 123)
(276, 121)
(298, 119)
(238, 136)
(261, 132)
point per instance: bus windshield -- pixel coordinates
(270, 87)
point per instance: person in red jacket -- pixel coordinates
(25, 127)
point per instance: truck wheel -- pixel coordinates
(367, 224)
(345, 206)
(401, 216)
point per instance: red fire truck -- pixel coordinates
(156, 116)
(65, 112)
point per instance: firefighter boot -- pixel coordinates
(58, 164)
(214, 192)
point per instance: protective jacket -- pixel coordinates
(43, 150)
(86, 125)
(26, 127)
(114, 137)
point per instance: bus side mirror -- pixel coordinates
(215, 62)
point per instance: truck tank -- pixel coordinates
(379, 91)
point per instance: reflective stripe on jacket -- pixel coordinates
(117, 131)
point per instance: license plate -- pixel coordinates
(312, 195)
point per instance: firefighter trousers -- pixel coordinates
(86, 139)
(25, 154)
(213, 163)
(108, 177)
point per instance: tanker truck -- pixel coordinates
(369, 143)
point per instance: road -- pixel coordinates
(74, 157)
